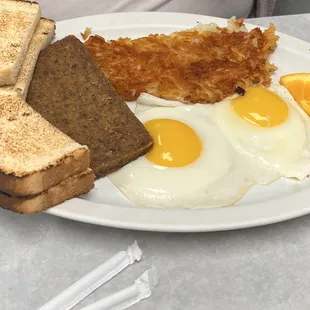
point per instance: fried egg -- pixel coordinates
(191, 164)
(259, 173)
(268, 126)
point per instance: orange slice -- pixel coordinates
(298, 84)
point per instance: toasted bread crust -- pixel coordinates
(74, 186)
(28, 143)
(21, 1)
(40, 181)
(42, 37)
(19, 20)
(70, 91)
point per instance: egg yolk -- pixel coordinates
(175, 143)
(261, 107)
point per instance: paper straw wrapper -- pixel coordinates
(141, 289)
(93, 280)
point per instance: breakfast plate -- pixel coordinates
(105, 205)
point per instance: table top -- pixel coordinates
(259, 268)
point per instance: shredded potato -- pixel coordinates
(203, 64)
(86, 34)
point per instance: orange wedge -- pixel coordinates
(298, 84)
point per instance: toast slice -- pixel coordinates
(74, 186)
(18, 22)
(41, 39)
(34, 155)
(35, 183)
(70, 91)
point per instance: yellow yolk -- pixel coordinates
(175, 143)
(261, 107)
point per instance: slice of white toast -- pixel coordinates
(41, 39)
(34, 155)
(18, 22)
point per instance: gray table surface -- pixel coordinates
(252, 269)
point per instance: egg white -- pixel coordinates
(284, 149)
(219, 177)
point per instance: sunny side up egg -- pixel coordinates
(191, 165)
(268, 126)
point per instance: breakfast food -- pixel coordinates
(71, 187)
(34, 183)
(193, 163)
(266, 125)
(298, 85)
(221, 150)
(269, 127)
(34, 155)
(40, 166)
(19, 20)
(70, 91)
(86, 33)
(42, 37)
(171, 153)
(199, 65)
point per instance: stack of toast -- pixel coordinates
(23, 34)
(61, 121)
(40, 166)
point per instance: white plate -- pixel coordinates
(280, 201)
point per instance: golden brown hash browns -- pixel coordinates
(194, 65)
